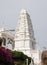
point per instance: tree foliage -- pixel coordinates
(9, 57)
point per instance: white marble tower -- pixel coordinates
(24, 37)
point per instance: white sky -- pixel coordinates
(9, 13)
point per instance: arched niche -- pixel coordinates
(1, 40)
(4, 41)
(10, 43)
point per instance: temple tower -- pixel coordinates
(24, 37)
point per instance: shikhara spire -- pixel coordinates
(24, 38)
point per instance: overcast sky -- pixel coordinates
(9, 13)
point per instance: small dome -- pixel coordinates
(23, 11)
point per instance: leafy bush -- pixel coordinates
(20, 56)
(5, 56)
(8, 57)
